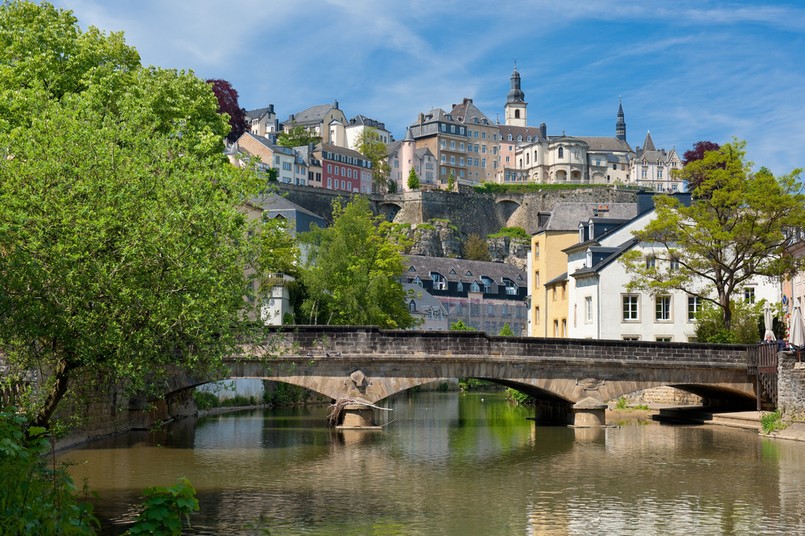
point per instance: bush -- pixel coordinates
(36, 498)
(772, 422)
(518, 397)
(517, 233)
(164, 509)
(205, 400)
(744, 325)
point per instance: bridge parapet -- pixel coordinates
(369, 341)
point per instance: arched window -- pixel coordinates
(561, 152)
(517, 114)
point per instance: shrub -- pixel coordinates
(164, 509)
(36, 498)
(772, 422)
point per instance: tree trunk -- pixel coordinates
(54, 396)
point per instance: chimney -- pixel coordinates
(543, 131)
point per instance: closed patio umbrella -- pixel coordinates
(796, 332)
(768, 321)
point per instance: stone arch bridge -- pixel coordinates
(571, 379)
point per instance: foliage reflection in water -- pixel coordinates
(449, 463)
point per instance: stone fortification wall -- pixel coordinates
(791, 386)
(470, 212)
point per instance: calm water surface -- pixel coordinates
(453, 464)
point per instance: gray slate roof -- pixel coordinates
(462, 270)
(277, 202)
(424, 300)
(566, 216)
(603, 143)
(311, 116)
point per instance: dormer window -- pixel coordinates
(487, 284)
(589, 261)
(439, 282)
(474, 287)
(581, 232)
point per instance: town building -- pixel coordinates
(290, 168)
(482, 143)
(601, 305)
(529, 155)
(654, 169)
(429, 312)
(324, 120)
(447, 140)
(263, 121)
(483, 295)
(403, 155)
(547, 262)
(344, 169)
(360, 124)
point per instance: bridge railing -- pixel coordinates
(762, 362)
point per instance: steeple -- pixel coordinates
(515, 109)
(620, 126)
(648, 145)
(516, 94)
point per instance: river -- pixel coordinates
(452, 464)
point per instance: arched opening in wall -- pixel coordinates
(575, 176)
(389, 210)
(517, 114)
(505, 208)
(561, 176)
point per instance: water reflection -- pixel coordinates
(454, 464)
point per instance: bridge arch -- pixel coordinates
(389, 209)
(343, 362)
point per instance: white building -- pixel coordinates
(602, 307)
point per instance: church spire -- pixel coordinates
(620, 126)
(516, 106)
(516, 95)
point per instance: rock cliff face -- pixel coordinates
(509, 250)
(442, 239)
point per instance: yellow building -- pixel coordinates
(547, 274)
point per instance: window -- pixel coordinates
(564, 327)
(674, 263)
(286, 166)
(490, 310)
(460, 287)
(555, 328)
(651, 262)
(663, 339)
(536, 315)
(475, 309)
(588, 309)
(694, 306)
(630, 307)
(749, 294)
(412, 306)
(662, 310)
(644, 173)
(659, 173)
(631, 337)
(561, 152)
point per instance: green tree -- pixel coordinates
(451, 181)
(370, 145)
(744, 327)
(122, 253)
(413, 180)
(459, 325)
(392, 186)
(734, 229)
(297, 136)
(354, 270)
(476, 249)
(506, 331)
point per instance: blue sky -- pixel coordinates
(686, 70)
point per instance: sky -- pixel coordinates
(685, 71)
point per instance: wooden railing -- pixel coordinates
(762, 362)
